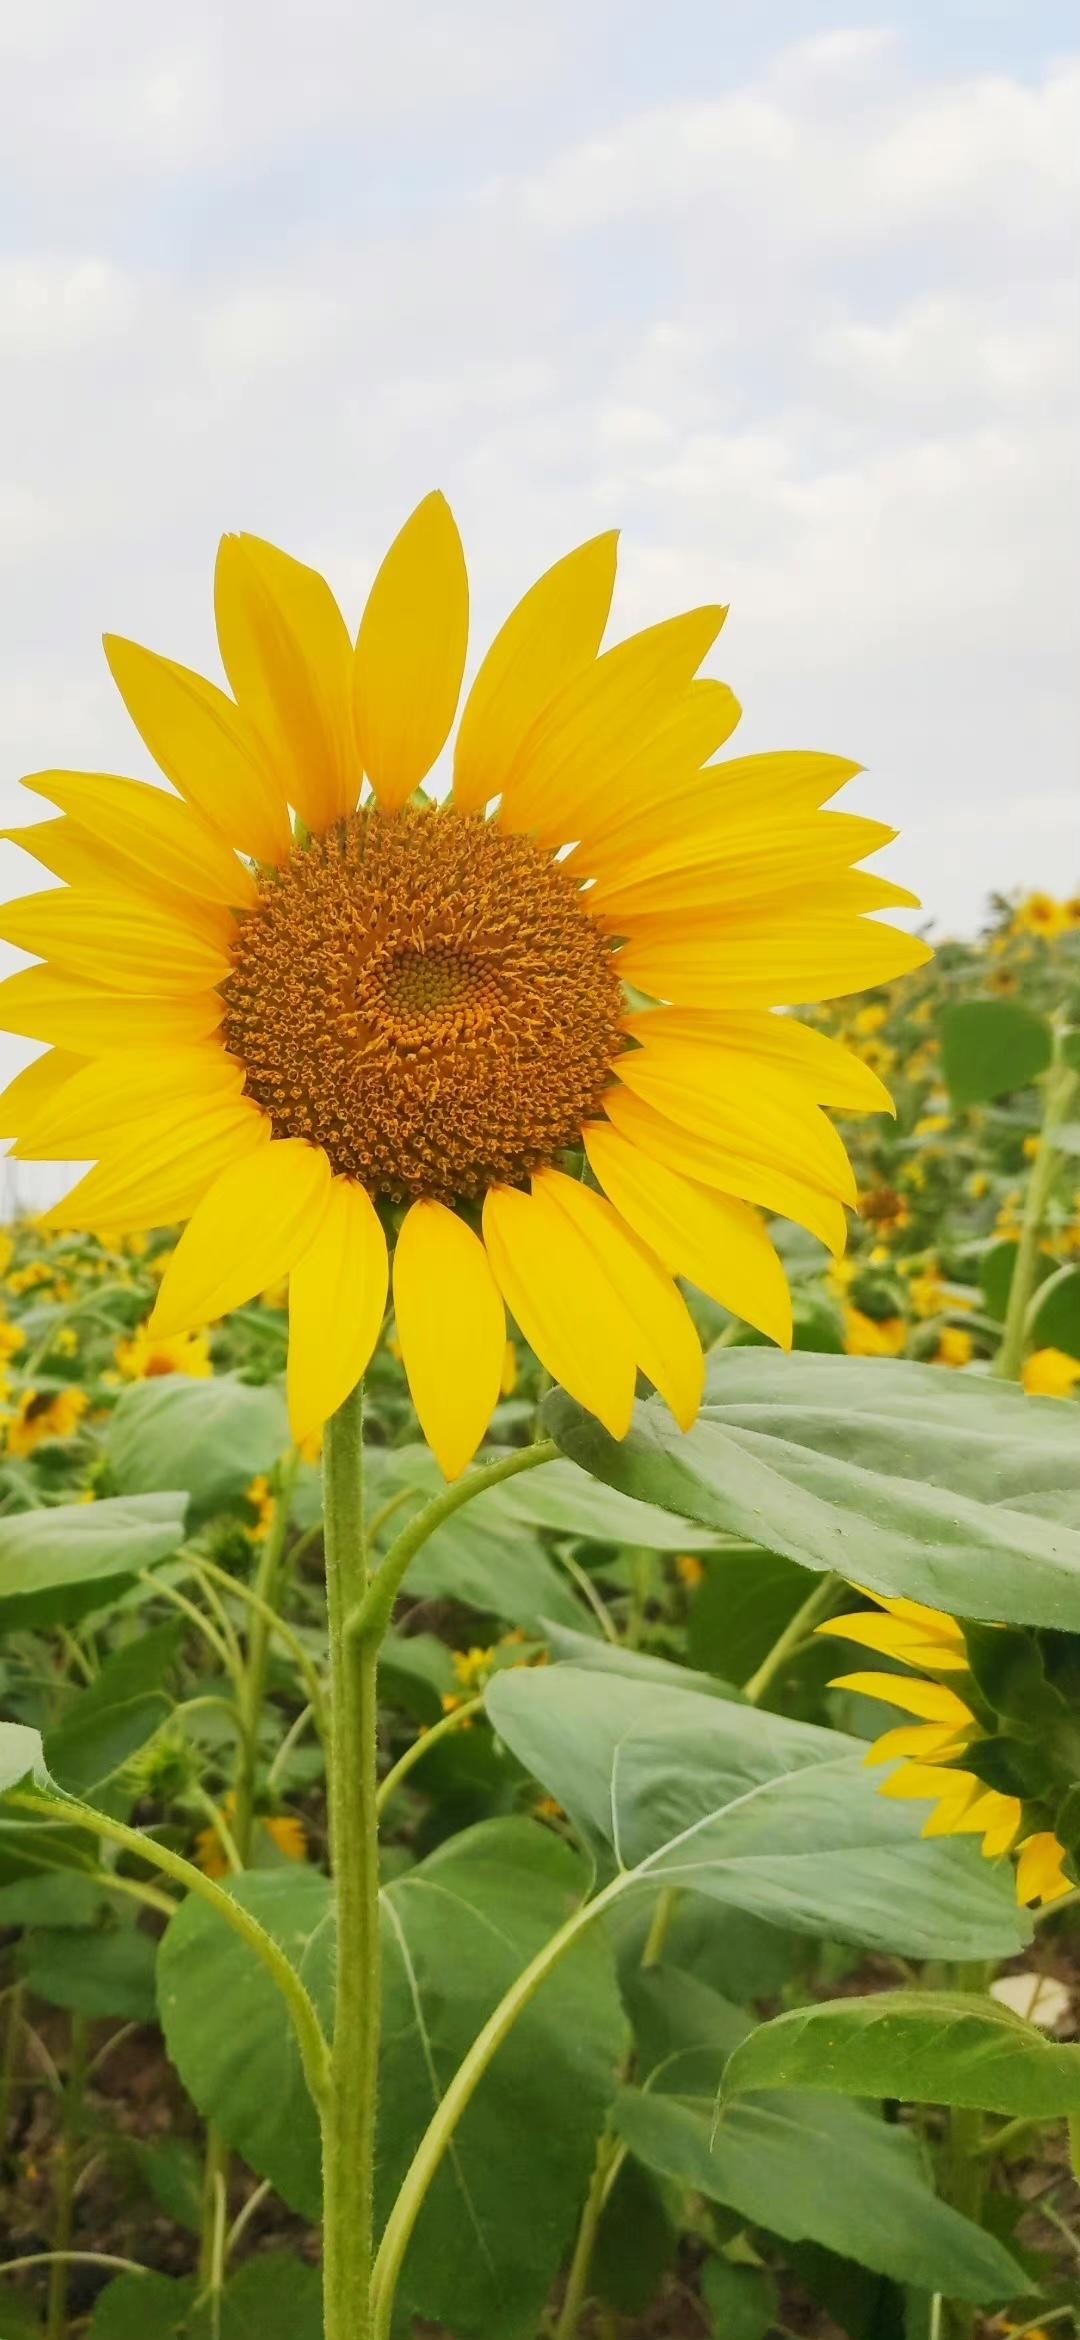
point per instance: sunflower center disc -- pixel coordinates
(426, 997)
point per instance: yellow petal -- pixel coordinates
(114, 940)
(88, 864)
(933, 1622)
(1040, 1873)
(246, 1233)
(1002, 1826)
(206, 747)
(744, 964)
(452, 1327)
(720, 1245)
(44, 1004)
(410, 653)
(562, 1301)
(88, 1116)
(831, 1074)
(933, 1701)
(898, 1639)
(34, 1088)
(665, 1341)
(765, 1115)
(731, 1169)
(927, 1742)
(630, 817)
(286, 650)
(337, 1295)
(706, 804)
(926, 1783)
(570, 761)
(178, 1156)
(763, 857)
(156, 831)
(551, 636)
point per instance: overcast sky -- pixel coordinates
(786, 292)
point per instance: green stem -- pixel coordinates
(215, 2201)
(12, 2029)
(816, 1606)
(264, 1619)
(577, 2279)
(309, 2035)
(67, 2147)
(1061, 1084)
(454, 1721)
(458, 2096)
(349, 2111)
(371, 1616)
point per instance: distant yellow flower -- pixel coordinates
(1050, 1373)
(871, 1336)
(144, 1356)
(282, 1083)
(7, 1252)
(263, 1504)
(42, 1414)
(978, 1185)
(886, 1211)
(869, 1020)
(928, 1293)
(690, 1570)
(931, 1125)
(1041, 914)
(955, 1346)
(927, 1750)
(12, 1337)
(1001, 980)
(66, 1342)
(31, 1277)
(283, 1829)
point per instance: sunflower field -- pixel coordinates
(728, 1780)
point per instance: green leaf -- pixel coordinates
(991, 1046)
(743, 2301)
(21, 1756)
(1055, 1318)
(741, 1608)
(954, 1489)
(210, 1437)
(1065, 1136)
(458, 1929)
(482, 1555)
(806, 2168)
(106, 1972)
(613, 1657)
(121, 1710)
(56, 1564)
(776, 1817)
(566, 1500)
(272, 2297)
(996, 1270)
(927, 2047)
(227, 2030)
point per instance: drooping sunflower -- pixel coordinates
(929, 1752)
(303, 1007)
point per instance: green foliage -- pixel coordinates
(924, 2046)
(56, 1565)
(990, 1046)
(208, 1437)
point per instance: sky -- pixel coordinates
(787, 292)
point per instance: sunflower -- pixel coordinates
(42, 1414)
(929, 1752)
(381, 1015)
(142, 1357)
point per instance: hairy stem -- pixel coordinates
(816, 1606)
(349, 2111)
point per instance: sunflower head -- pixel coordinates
(979, 1749)
(521, 1029)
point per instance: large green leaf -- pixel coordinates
(954, 1489)
(123, 1707)
(774, 1816)
(929, 2047)
(990, 1046)
(806, 2168)
(211, 1437)
(458, 1929)
(57, 1564)
(104, 1971)
(273, 2297)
